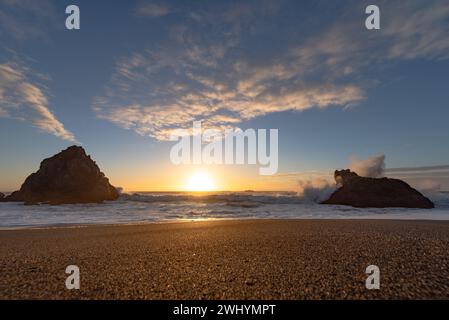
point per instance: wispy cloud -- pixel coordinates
(151, 9)
(426, 179)
(207, 69)
(24, 19)
(21, 99)
(431, 173)
(418, 29)
(196, 91)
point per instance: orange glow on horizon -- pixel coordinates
(196, 179)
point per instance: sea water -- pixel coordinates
(143, 207)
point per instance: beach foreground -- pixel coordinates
(244, 259)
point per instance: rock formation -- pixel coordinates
(71, 176)
(364, 192)
(1, 196)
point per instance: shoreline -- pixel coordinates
(232, 259)
(175, 221)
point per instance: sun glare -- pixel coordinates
(200, 181)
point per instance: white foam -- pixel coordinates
(157, 207)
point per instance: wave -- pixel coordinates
(234, 199)
(253, 199)
(153, 207)
(316, 190)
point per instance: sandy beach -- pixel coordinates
(240, 259)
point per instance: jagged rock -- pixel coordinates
(71, 176)
(364, 192)
(1, 196)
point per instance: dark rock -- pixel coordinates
(364, 192)
(71, 176)
(1, 196)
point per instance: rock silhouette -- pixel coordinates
(364, 192)
(71, 176)
(1, 196)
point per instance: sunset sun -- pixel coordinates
(200, 181)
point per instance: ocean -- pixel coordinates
(147, 207)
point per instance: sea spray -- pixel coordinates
(316, 190)
(373, 167)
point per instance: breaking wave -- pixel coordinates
(309, 193)
(234, 199)
(144, 207)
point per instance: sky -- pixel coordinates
(137, 71)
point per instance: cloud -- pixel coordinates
(153, 10)
(372, 167)
(198, 76)
(20, 99)
(210, 65)
(418, 170)
(24, 19)
(426, 179)
(417, 30)
(193, 95)
(411, 30)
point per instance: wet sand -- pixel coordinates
(246, 259)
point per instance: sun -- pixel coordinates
(200, 181)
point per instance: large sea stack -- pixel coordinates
(364, 192)
(71, 176)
